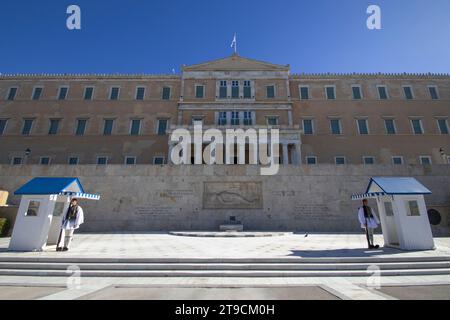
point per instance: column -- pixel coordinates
(291, 122)
(298, 154)
(285, 154)
(180, 117)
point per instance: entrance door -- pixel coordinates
(55, 227)
(391, 227)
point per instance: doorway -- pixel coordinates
(391, 227)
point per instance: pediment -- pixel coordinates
(236, 63)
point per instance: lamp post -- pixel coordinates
(27, 154)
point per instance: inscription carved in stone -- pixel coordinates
(154, 211)
(313, 210)
(232, 195)
(175, 195)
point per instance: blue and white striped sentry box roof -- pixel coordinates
(389, 186)
(80, 195)
(55, 186)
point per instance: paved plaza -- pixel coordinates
(295, 247)
(163, 245)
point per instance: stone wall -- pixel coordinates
(161, 198)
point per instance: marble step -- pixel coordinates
(224, 273)
(223, 266)
(63, 258)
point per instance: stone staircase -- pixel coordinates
(284, 267)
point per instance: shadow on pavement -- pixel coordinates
(344, 253)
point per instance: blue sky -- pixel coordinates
(155, 36)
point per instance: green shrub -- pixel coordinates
(4, 227)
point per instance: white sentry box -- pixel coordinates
(43, 205)
(402, 210)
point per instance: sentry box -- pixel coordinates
(402, 210)
(43, 205)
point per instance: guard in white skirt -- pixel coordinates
(369, 221)
(71, 221)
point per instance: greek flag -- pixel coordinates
(234, 43)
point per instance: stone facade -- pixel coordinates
(336, 131)
(162, 198)
(129, 117)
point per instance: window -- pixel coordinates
(12, 94)
(102, 161)
(442, 124)
(73, 161)
(235, 118)
(37, 92)
(27, 126)
(108, 125)
(304, 92)
(408, 91)
(434, 94)
(270, 92)
(158, 160)
(81, 127)
(16, 161)
(248, 118)
(162, 126)
(425, 160)
(62, 94)
(382, 92)
(308, 127)
(88, 93)
(140, 93)
(368, 160)
(330, 92)
(335, 126)
(135, 127)
(223, 90)
(397, 160)
(390, 126)
(44, 161)
(54, 126)
(272, 121)
(114, 93)
(412, 208)
(130, 160)
(235, 89)
(199, 92)
(3, 123)
(417, 126)
(357, 93)
(363, 128)
(33, 209)
(311, 160)
(388, 209)
(339, 160)
(247, 89)
(58, 210)
(166, 93)
(222, 118)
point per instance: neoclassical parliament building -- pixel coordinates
(335, 132)
(337, 119)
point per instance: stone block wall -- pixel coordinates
(163, 198)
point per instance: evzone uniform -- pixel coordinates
(71, 221)
(369, 221)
